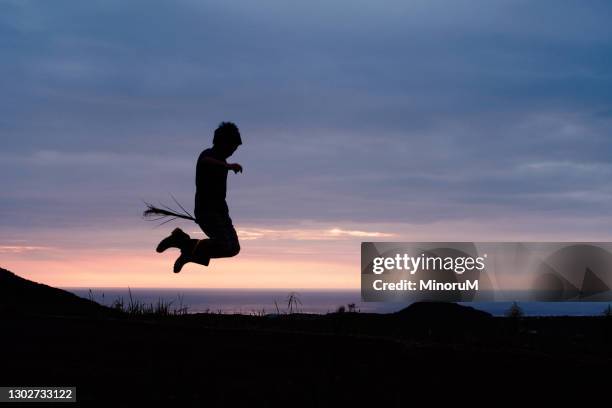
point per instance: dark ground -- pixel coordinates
(433, 351)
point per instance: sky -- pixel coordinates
(361, 121)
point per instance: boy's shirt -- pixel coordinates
(211, 186)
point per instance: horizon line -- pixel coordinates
(211, 288)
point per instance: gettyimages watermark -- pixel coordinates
(486, 271)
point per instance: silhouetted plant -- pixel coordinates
(181, 310)
(352, 308)
(293, 301)
(341, 309)
(118, 305)
(166, 214)
(608, 311)
(514, 311)
(136, 307)
(258, 313)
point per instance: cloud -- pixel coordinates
(337, 232)
(92, 159)
(411, 112)
(303, 234)
(19, 249)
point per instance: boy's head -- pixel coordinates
(227, 138)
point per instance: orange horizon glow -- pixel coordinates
(282, 258)
(302, 256)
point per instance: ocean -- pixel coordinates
(263, 301)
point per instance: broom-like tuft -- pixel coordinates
(166, 213)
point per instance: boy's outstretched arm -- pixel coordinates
(235, 167)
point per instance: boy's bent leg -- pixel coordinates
(222, 245)
(223, 242)
(217, 225)
(200, 251)
(195, 250)
(231, 245)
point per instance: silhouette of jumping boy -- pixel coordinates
(211, 212)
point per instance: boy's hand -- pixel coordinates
(235, 167)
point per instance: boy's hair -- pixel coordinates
(227, 132)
